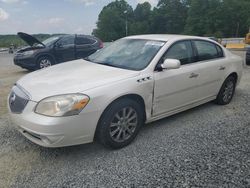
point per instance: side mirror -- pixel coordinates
(171, 64)
(58, 45)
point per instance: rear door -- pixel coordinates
(85, 46)
(64, 49)
(212, 67)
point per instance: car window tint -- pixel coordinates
(83, 40)
(67, 41)
(206, 50)
(181, 51)
(220, 52)
(131, 54)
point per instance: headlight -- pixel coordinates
(28, 52)
(62, 105)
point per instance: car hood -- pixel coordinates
(30, 40)
(71, 77)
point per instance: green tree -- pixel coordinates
(112, 20)
(203, 17)
(141, 20)
(221, 18)
(169, 17)
(236, 17)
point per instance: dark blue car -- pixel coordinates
(54, 50)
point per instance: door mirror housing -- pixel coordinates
(171, 64)
(58, 45)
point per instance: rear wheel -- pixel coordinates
(120, 123)
(44, 62)
(248, 62)
(227, 91)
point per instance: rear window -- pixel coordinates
(220, 52)
(207, 50)
(84, 40)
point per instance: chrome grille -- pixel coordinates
(17, 100)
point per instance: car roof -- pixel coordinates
(86, 36)
(165, 37)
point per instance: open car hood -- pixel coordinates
(30, 40)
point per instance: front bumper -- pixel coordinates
(25, 62)
(55, 131)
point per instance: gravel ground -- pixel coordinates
(208, 146)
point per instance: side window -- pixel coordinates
(207, 50)
(65, 41)
(84, 40)
(182, 51)
(220, 52)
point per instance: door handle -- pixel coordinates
(222, 68)
(193, 75)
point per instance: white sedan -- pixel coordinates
(112, 93)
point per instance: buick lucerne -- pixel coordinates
(112, 93)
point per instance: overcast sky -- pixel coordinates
(52, 16)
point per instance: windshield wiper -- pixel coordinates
(102, 63)
(108, 64)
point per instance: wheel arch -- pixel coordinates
(235, 75)
(45, 54)
(219, 98)
(135, 97)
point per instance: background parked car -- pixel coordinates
(248, 56)
(54, 50)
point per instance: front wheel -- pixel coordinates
(227, 91)
(120, 123)
(44, 62)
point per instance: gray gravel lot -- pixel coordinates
(208, 146)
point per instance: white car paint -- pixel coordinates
(69, 78)
(164, 93)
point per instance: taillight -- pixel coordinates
(101, 44)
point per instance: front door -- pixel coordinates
(177, 87)
(65, 49)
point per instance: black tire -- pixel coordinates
(105, 131)
(248, 62)
(227, 91)
(41, 62)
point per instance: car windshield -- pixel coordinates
(132, 54)
(50, 40)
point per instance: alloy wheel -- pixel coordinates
(123, 124)
(44, 63)
(228, 91)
